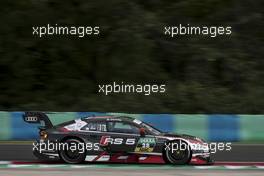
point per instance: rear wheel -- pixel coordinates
(73, 153)
(178, 152)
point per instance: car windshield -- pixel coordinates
(151, 128)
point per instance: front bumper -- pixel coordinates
(201, 159)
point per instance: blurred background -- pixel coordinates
(203, 75)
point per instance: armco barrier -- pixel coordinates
(215, 127)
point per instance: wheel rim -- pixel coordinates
(178, 156)
(74, 155)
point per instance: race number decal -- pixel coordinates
(145, 145)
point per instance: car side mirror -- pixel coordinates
(142, 132)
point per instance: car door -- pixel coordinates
(122, 136)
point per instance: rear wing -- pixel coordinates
(38, 117)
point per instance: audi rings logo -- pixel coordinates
(31, 119)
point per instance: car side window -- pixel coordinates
(122, 127)
(95, 126)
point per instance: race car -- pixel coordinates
(114, 139)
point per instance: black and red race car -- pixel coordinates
(114, 139)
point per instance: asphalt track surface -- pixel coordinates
(129, 172)
(240, 153)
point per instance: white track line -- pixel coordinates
(5, 162)
(260, 167)
(206, 167)
(79, 167)
(18, 165)
(50, 166)
(237, 167)
(240, 162)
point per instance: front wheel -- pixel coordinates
(72, 153)
(177, 152)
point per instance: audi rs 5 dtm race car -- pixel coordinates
(114, 139)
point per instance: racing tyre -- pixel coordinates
(177, 153)
(73, 154)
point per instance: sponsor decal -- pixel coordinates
(137, 121)
(146, 145)
(107, 140)
(31, 119)
(76, 126)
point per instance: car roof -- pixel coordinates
(109, 118)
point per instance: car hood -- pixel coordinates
(185, 136)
